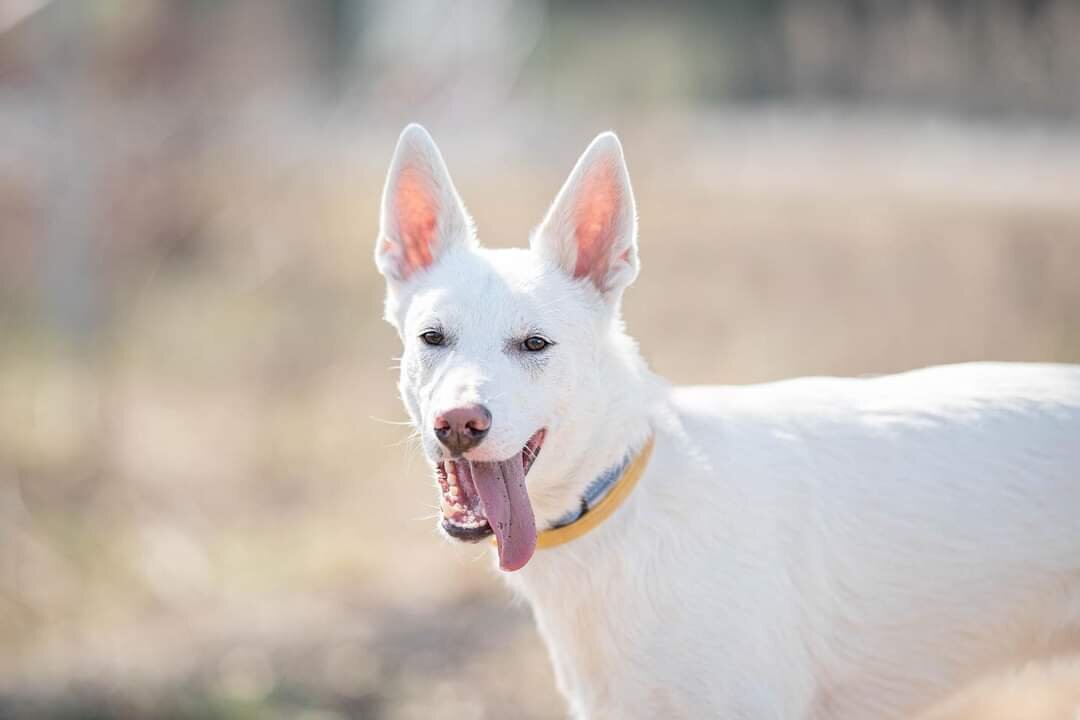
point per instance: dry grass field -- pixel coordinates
(208, 507)
(1043, 691)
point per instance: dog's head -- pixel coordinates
(509, 355)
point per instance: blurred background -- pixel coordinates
(208, 507)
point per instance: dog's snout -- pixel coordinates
(462, 428)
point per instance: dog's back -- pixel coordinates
(925, 525)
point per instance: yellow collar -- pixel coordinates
(605, 507)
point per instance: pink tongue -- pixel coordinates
(506, 505)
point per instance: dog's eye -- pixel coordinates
(433, 337)
(534, 344)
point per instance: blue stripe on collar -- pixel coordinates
(596, 491)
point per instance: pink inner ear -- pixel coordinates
(417, 213)
(595, 220)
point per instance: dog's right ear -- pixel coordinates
(422, 215)
(591, 229)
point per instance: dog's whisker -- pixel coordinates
(428, 518)
(389, 422)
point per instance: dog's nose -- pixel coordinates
(462, 428)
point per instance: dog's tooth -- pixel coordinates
(454, 491)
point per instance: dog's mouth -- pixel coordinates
(484, 498)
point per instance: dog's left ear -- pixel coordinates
(591, 229)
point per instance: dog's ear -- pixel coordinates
(591, 229)
(422, 216)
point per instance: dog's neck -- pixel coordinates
(585, 449)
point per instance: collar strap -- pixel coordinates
(602, 498)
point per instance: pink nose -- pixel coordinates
(462, 428)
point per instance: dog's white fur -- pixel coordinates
(813, 548)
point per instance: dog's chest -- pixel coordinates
(620, 639)
(599, 652)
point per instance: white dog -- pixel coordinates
(814, 548)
